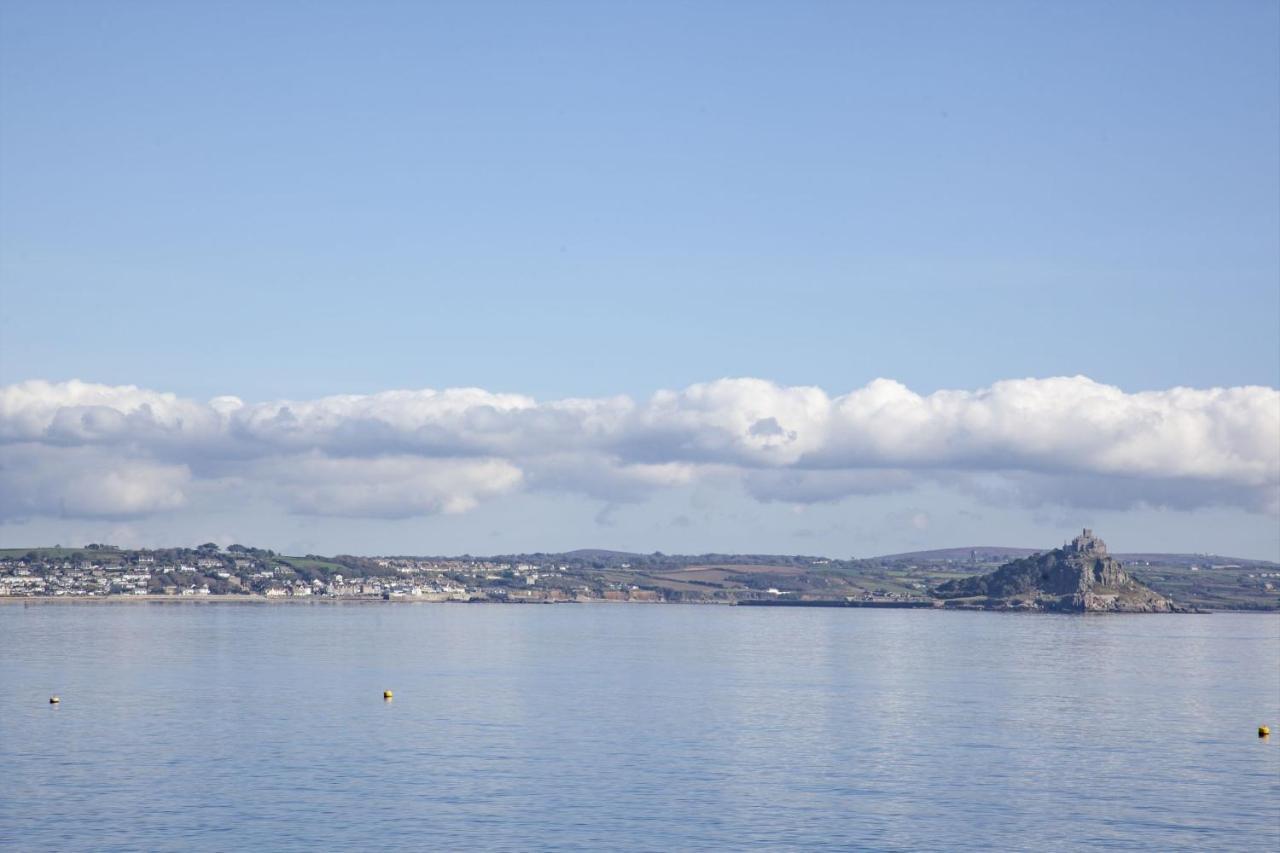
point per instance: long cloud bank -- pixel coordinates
(77, 449)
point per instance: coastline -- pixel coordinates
(323, 601)
(290, 601)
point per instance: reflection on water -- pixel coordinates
(225, 726)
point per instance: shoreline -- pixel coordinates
(323, 601)
(290, 601)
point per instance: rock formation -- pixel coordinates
(1078, 577)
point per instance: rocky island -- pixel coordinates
(1078, 577)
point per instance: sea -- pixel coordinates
(251, 726)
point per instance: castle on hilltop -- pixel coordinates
(1079, 577)
(1086, 543)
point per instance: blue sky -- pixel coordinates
(290, 200)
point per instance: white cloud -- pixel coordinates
(76, 413)
(76, 448)
(387, 486)
(85, 482)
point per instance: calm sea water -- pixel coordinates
(232, 726)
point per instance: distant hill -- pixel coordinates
(962, 554)
(993, 553)
(600, 554)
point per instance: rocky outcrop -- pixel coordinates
(1078, 577)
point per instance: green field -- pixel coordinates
(305, 565)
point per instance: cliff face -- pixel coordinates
(1078, 577)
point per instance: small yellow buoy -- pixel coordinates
(386, 694)
(54, 700)
(1263, 731)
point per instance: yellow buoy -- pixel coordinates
(1263, 731)
(386, 694)
(54, 700)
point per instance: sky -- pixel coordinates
(829, 278)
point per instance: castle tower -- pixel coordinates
(1086, 543)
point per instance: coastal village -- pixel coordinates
(420, 580)
(236, 573)
(927, 579)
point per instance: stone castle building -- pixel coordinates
(1086, 543)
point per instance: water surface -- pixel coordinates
(238, 726)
